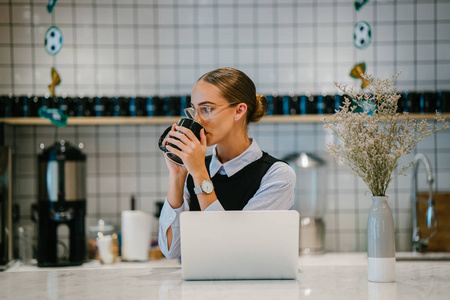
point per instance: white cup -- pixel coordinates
(105, 249)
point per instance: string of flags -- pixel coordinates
(53, 43)
(362, 38)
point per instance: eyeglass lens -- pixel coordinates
(190, 112)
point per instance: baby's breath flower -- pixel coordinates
(372, 136)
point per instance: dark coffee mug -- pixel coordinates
(187, 123)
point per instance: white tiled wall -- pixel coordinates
(143, 47)
(161, 47)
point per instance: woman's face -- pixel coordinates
(219, 125)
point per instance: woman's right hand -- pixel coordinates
(177, 177)
(174, 169)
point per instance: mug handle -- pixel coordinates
(161, 139)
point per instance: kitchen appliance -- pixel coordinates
(61, 202)
(6, 223)
(310, 200)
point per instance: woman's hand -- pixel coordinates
(174, 169)
(192, 152)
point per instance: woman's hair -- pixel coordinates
(236, 87)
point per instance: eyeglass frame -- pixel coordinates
(188, 111)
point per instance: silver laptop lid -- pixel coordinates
(239, 245)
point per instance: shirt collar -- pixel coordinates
(252, 153)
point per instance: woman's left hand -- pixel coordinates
(192, 152)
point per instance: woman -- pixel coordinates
(238, 176)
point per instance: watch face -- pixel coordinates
(207, 187)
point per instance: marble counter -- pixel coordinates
(328, 276)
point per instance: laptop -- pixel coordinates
(239, 245)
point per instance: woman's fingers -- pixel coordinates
(185, 144)
(180, 136)
(164, 142)
(203, 137)
(175, 142)
(182, 142)
(185, 135)
(180, 153)
(175, 168)
(174, 150)
(187, 132)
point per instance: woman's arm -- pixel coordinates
(276, 191)
(174, 198)
(173, 205)
(169, 225)
(192, 152)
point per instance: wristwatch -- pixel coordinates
(206, 187)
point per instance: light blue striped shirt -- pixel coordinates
(276, 192)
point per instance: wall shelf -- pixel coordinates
(170, 120)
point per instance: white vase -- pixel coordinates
(380, 241)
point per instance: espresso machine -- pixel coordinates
(6, 219)
(61, 202)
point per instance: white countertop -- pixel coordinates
(327, 276)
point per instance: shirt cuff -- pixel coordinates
(172, 215)
(215, 206)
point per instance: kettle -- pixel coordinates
(310, 200)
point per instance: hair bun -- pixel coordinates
(260, 109)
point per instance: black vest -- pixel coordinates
(234, 192)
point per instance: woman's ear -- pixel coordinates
(240, 111)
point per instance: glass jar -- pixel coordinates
(100, 229)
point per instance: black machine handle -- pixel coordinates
(34, 213)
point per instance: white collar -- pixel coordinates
(252, 153)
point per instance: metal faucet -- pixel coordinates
(418, 243)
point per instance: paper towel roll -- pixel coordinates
(136, 233)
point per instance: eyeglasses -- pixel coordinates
(205, 112)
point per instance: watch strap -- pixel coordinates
(198, 189)
(201, 189)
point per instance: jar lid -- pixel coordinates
(304, 160)
(101, 227)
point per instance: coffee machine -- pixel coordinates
(6, 222)
(61, 201)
